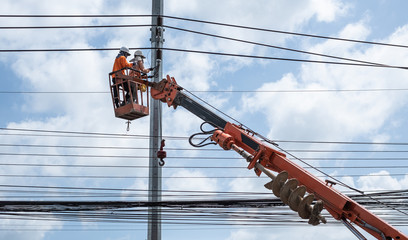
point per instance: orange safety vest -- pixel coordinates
(120, 62)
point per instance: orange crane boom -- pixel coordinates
(292, 181)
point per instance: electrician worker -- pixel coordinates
(121, 62)
(139, 66)
(139, 63)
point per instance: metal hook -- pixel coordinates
(161, 162)
(161, 154)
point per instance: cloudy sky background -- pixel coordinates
(329, 116)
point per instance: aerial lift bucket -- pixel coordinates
(130, 99)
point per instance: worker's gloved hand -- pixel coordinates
(150, 69)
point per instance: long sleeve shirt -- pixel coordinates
(120, 62)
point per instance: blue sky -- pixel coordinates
(332, 116)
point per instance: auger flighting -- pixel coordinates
(293, 195)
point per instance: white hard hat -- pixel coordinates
(125, 49)
(139, 53)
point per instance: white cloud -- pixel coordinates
(136, 189)
(381, 181)
(345, 115)
(249, 184)
(307, 233)
(40, 228)
(199, 181)
(327, 11)
(241, 235)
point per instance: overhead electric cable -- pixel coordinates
(177, 167)
(285, 59)
(183, 192)
(60, 50)
(273, 46)
(74, 15)
(224, 91)
(198, 21)
(182, 177)
(108, 156)
(85, 134)
(186, 30)
(103, 147)
(206, 52)
(72, 26)
(190, 149)
(287, 32)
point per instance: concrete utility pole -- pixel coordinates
(155, 171)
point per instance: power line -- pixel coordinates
(167, 192)
(205, 52)
(110, 156)
(178, 167)
(103, 147)
(272, 46)
(129, 137)
(198, 21)
(85, 134)
(75, 15)
(283, 59)
(304, 90)
(192, 149)
(175, 212)
(185, 30)
(199, 157)
(287, 32)
(62, 50)
(73, 26)
(182, 177)
(225, 91)
(64, 206)
(92, 134)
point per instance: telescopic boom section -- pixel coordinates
(292, 182)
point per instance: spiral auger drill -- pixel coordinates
(294, 196)
(286, 189)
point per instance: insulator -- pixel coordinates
(293, 195)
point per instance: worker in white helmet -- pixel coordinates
(138, 61)
(120, 63)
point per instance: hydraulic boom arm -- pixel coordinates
(292, 182)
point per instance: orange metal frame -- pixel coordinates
(127, 103)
